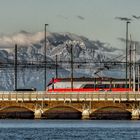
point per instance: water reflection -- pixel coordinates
(69, 124)
(69, 129)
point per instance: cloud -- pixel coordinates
(22, 38)
(80, 17)
(121, 39)
(123, 18)
(66, 18)
(62, 16)
(132, 44)
(136, 17)
(124, 40)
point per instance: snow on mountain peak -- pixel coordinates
(31, 48)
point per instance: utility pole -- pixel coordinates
(71, 66)
(56, 72)
(134, 68)
(138, 77)
(45, 58)
(127, 22)
(130, 63)
(15, 67)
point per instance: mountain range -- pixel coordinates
(88, 56)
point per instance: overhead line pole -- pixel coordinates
(45, 58)
(127, 22)
(56, 61)
(130, 63)
(15, 68)
(45, 65)
(71, 66)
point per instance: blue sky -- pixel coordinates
(94, 19)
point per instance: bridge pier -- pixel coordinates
(135, 114)
(86, 114)
(38, 112)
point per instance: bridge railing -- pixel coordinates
(68, 96)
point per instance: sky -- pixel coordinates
(94, 19)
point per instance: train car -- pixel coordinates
(87, 84)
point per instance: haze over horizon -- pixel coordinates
(94, 19)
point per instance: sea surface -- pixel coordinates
(69, 130)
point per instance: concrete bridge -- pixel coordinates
(85, 105)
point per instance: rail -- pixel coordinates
(68, 96)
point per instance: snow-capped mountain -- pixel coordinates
(31, 49)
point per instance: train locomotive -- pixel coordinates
(89, 85)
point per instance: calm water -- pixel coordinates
(69, 130)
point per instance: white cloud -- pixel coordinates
(21, 38)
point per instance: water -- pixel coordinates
(69, 130)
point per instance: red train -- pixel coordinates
(88, 84)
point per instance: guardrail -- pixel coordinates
(68, 96)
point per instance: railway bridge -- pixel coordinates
(70, 105)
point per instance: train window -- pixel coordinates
(116, 85)
(89, 86)
(100, 86)
(111, 86)
(107, 86)
(126, 86)
(121, 86)
(136, 87)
